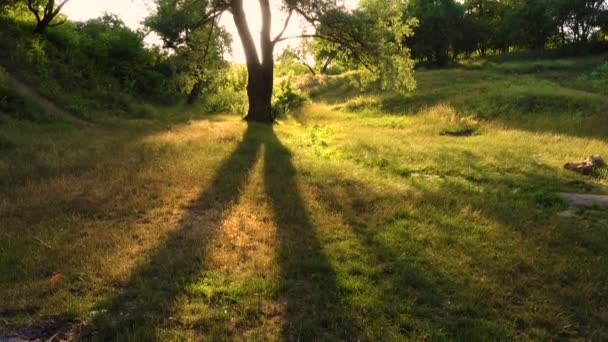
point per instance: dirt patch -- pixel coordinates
(464, 132)
(52, 331)
(584, 199)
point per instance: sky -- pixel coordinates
(132, 12)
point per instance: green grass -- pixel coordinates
(354, 220)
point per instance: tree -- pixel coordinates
(7, 3)
(45, 12)
(532, 23)
(440, 28)
(323, 55)
(198, 45)
(581, 17)
(294, 60)
(372, 36)
(487, 17)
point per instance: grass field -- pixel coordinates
(356, 219)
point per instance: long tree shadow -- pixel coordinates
(515, 260)
(314, 307)
(144, 306)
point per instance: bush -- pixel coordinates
(231, 93)
(286, 99)
(226, 100)
(99, 66)
(600, 72)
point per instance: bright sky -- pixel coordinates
(132, 12)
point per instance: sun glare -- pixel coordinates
(134, 11)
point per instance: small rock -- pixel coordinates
(586, 167)
(567, 213)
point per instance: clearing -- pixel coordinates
(356, 219)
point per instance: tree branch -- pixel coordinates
(298, 37)
(217, 11)
(358, 57)
(280, 35)
(60, 7)
(61, 22)
(33, 9)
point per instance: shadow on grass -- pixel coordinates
(145, 305)
(465, 260)
(309, 288)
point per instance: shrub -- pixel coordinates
(600, 72)
(231, 93)
(286, 99)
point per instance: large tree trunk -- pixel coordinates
(195, 93)
(261, 73)
(259, 92)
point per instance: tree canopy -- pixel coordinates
(372, 37)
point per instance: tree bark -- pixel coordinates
(260, 73)
(325, 67)
(195, 93)
(41, 26)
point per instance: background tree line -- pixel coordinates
(103, 65)
(449, 29)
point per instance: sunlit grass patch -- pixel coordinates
(347, 220)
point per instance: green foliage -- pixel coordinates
(600, 72)
(7, 4)
(286, 99)
(231, 93)
(18, 107)
(436, 38)
(199, 46)
(289, 62)
(374, 36)
(449, 28)
(99, 66)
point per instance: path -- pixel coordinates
(584, 199)
(42, 101)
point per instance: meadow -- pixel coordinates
(367, 215)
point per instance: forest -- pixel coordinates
(395, 170)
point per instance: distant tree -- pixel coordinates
(303, 52)
(467, 41)
(532, 23)
(440, 29)
(487, 18)
(323, 55)
(45, 12)
(581, 18)
(293, 57)
(197, 41)
(603, 22)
